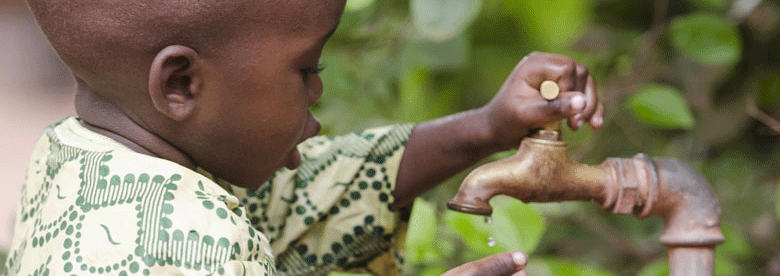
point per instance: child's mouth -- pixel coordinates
(294, 161)
(312, 128)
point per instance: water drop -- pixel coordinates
(491, 240)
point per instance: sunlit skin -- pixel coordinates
(226, 86)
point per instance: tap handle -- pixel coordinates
(552, 131)
(549, 90)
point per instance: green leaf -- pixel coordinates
(553, 24)
(448, 54)
(356, 5)
(515, 226)
(723, 267)
(661, 106)
(441, 20)
(706, 38)
(421, 232)
(709, 3)
(416, 81)
(658, 268)
(736, 244)
(777, 202)
(726, 267)
(524, 224)
(474, 231)
(769, 95)
(557, 266)
(433, 271)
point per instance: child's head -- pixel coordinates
(226, 82)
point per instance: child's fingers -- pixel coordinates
(567, 81)
(567, 104)
(591, 101)
(598, 117)
(538, 67)
(582, 77)
(520, 273)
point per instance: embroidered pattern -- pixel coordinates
(91, 206)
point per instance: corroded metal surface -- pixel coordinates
(541, 171)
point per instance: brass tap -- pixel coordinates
(540, 171)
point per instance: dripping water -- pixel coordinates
(491, 241)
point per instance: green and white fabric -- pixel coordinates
(90, 205)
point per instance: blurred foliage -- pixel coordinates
(697, 80)
(662, 106)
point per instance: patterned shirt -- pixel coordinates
(90, 205)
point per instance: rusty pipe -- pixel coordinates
(541, 172)
(671, 189)
(691, 216)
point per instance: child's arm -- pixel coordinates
(438, 149)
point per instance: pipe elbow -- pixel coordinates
(668, 188)
(688, 205)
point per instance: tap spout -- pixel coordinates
(540, 171)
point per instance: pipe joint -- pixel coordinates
(631, 186)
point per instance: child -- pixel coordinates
(186, 111)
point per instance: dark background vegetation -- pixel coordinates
(698, 80)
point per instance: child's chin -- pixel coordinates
(294, 161)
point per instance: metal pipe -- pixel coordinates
(542, 172)
(691, 261)
(671, 189)
(691, 216)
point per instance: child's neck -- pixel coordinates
(100, 115)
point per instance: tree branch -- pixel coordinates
(761, 116)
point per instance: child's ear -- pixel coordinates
(175, 80)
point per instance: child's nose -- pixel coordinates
(315, 90)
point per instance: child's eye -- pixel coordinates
(312, 71)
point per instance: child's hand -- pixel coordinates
(501, 264)
(438, 149)
(518, 107)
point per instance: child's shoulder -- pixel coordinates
(101, 172)
(93, 199)
(104, 167)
